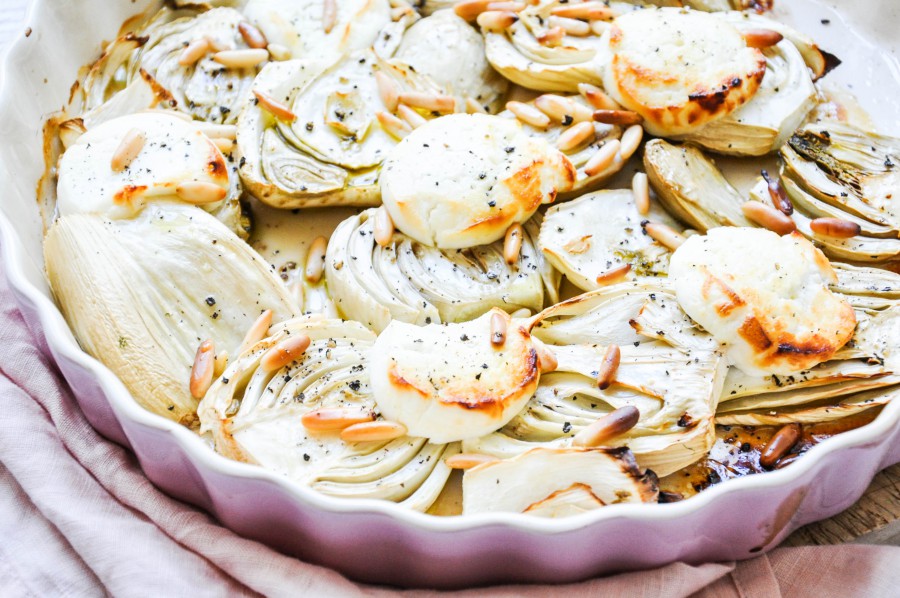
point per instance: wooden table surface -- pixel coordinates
(874, 519)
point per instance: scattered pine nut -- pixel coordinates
(508, 5)
(383, 227)
(556, 107)
(470, 9)
(253, 37)
(496, 20)
(572, 27)
(640, 187)
(768, 217)
(575, 136)
(665, 235)
(468, 460)
(614, 275)
(387, 90)
(584, 10)
(603, 157)
(609, 426)
(606, 374)
(284, 352)
(529, 114)
(213, 130)
(274, 107)
(837, 228)
(412, 118)
(203, 369)
(435, 102)
(331, 419)
(241, 59)
(630, 140)
(376, 431)
(193, 52)
(623, 118)
(597, 97)
(279, 52)
(315, 260)
(128, 149)
(498, 329)
(779, 445)
(778, 194)
(393, 125)
(762, 38)
(198, 192)
(546, 357)
(512, 243)
(551, 37)
(258, 330)
(226, 146)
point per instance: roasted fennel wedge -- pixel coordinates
(669, 370)
(141, 294)
(292, 418)
(411, 282)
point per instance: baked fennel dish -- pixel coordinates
(393, 251)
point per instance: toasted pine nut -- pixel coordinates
(512, 243)
(221, 363)
(198, 192)
(279, 52)
(226, 146)
(599, 27)
(614, 275)
(508, 5)
(387, 90)
(496, 20)
(383, 227)
(274, 107)
(329, 15)
(778, 194)
(253, 37)
(258, 330)
(498, 328)
(529, 114)
(128, 149)
(470, 9)
(572, 27)
(375, 431)
(315, 260)
(212, 130)
(556, 107)
(241, 59)
(393, 125)
(602, 158)
(768, 217)
(546, 357)
(584, 10)
(331, 419)
(412, 118)
(473, 107)
(468, 460)
(664, 235)
(630, 140)
(835, 227)
(609, 426)
(575, 136)
(778, 446)
(617, 117)
(551, 37)
(762, 38)
(203, 369)
(428, 101)
(193, 52)
(640, 187)
(288, 350)
(597, 97)
(606, 374)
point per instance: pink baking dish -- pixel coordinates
(378, 541)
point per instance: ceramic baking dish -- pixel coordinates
(379, 541)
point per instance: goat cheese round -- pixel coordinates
(463, 179)
(764, 297)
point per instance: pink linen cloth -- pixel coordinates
(78, 518)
